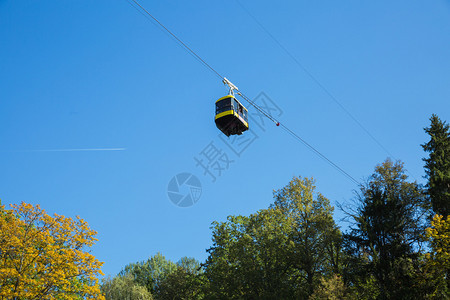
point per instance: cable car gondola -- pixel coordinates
(231, 116)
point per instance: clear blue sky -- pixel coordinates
(98, 74)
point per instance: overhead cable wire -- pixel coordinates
(198, 57)
(319, 84)
(178, 40)
(296, 136)
(315, 80)
(138, 9)
(266, 114)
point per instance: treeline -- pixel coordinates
(397, 245)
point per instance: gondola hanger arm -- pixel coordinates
(231, 86)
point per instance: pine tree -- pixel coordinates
(437, 165)
(386, 235)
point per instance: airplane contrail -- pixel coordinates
(76, 150)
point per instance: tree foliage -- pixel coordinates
(44, 257)
(157, 278)
(186, 282)
(437, 165)
(277, 252)
(249, 257)
(151, 272)
(332, 288)
(316, 238)
(386, 237)
(438, 260)
(182, 284)
(439, 235)
(124, 288)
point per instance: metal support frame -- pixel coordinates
(231, 86)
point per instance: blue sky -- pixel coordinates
(98, 74)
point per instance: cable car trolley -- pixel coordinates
(231, 116)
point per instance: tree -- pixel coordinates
(332, 288)
(250, 257)
(186, 282)
(437, 165)
(386, 235)
(44, 257)
(124, 288)
(438, 261)
(190, 265)
(316, 238)
(278, 252)
(182, 284)
(151, 272)
(157, 277)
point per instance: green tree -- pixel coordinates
(277, 253)
(187, 282)
(332, 288)
(190, 265)
(386, 236)
(250, 257)
(437, 165)
(124, 288)
(159, 277)
(316, 238)
(151, 272)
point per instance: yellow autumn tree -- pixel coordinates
(439, 234)
(438, 261)
(45, 257)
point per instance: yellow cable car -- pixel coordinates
(231, 116)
